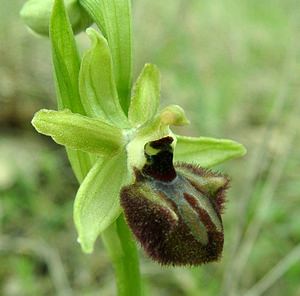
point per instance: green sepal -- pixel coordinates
(113, 17)
(97, 203)
(145, 101)
(97, 86)
(205, 151)
(79, 132)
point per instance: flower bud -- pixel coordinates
(175, 211)
(36, 14)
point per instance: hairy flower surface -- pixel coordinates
(175, 211)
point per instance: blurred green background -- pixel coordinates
(234, 66)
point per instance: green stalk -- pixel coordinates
(117, 239)
(123, 253)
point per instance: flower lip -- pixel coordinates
(175, 210)
(174, 221)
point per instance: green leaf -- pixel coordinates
(145, 101)
(79, 132)
(97, 201)
(207, 152)
(66, 63)
(66, 59)
(97, 84)
(113, 17)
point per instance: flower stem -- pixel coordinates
(123, 252)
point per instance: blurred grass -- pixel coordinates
(234, 66)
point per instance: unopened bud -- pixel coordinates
(36, 14)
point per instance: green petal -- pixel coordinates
(173, 115)
(79, 132)
(207, 152)
(113, 17)
(97, 83)
(145, 102)
(158, 127)
(97, 201)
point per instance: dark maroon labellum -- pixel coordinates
(175, 211)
